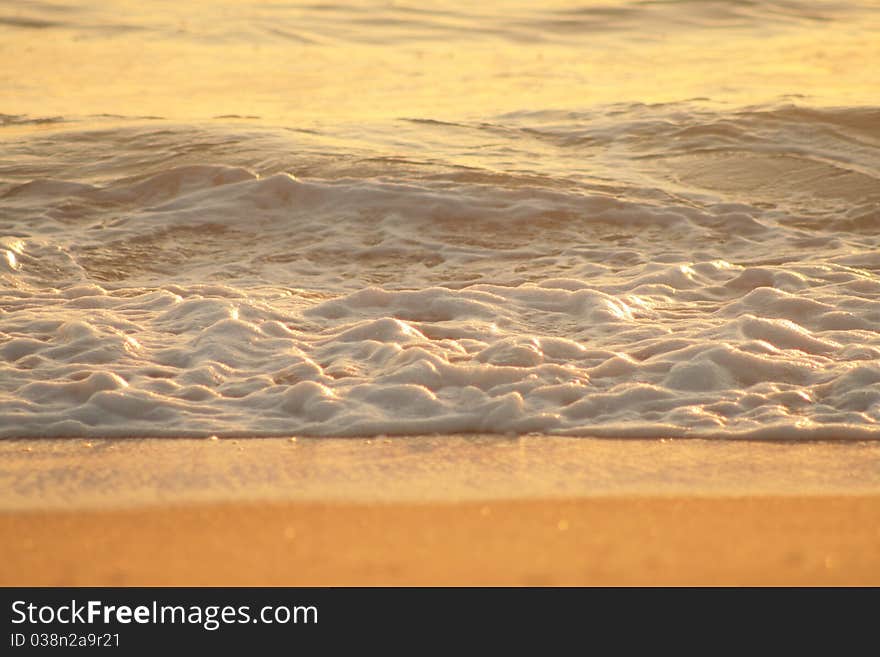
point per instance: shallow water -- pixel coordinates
(609, 218)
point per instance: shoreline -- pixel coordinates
(438, 511)
(130, 473)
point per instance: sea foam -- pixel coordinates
(220, 298)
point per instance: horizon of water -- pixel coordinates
(623, 219)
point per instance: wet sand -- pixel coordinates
(438, 510)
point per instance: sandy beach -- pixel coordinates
(675, 541)
(451, 293)
(448, 510)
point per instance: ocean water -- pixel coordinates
(622, 219)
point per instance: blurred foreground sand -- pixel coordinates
(438, 510)
(599, 541)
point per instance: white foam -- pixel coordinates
(205, 299)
